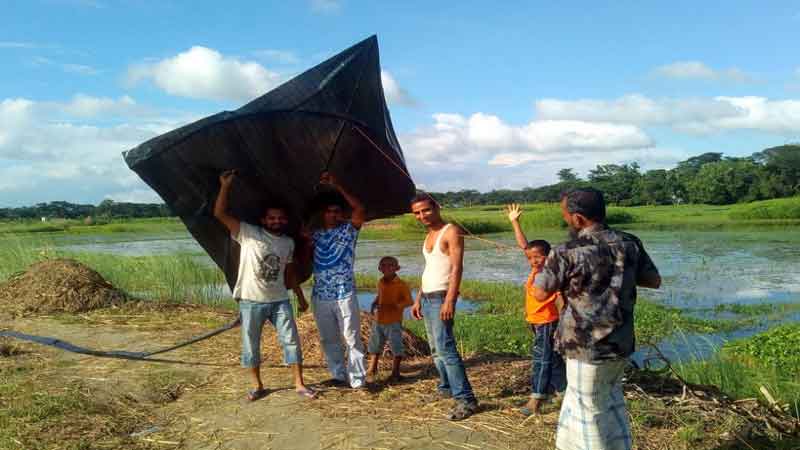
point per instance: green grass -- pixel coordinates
(68, 226)
(743, 367)
(779, 208)
(499, 325)
(169, 278)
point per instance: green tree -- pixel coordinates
(616, 181)
(567, 175)
(724, 182)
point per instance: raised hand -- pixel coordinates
(226, 177)
(513, 211)
(328, 178)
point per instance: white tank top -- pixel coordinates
(436, 276)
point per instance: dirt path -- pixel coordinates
(190, 406)
(51, 399)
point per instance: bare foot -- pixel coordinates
(532, 407)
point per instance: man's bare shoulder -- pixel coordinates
(454, 231)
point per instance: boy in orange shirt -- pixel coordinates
(393, 297)
(548, 372)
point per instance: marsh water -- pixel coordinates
(701, 269)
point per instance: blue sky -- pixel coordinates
(483, 95)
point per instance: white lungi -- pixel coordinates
(593, 414)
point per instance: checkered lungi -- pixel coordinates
(593, 414)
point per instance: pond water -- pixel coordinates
(700, 270)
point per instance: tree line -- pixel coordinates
(709, 178)
(108, 209)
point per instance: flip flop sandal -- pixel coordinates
(307, 394)
(525, 411)
(256, 394)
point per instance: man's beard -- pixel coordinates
(573, 232)
(276, 229)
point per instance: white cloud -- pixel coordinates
(696, 70)
(696, 116)
(18, 44)
(46, 155)
(135, 196)
(202, 72)
(485, 139)
(279, 56)
(326, 6)
(83, 106)
(78, 69)
(394, 92)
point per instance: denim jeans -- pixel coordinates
(548, 372)
(452, 375)
(279, 314)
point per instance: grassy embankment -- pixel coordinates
(487, 219)
(497, 327)
(768, 360)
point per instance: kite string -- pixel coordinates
(402, 170)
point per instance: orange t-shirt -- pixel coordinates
(536, 312)
(393, 297)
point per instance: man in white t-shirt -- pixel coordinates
(265, 266)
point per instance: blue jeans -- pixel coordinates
(452, 375)
(548, 372)
(279, 314)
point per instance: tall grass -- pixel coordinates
(779, 208)
(499, 325)
(742, 368)
(169, 278)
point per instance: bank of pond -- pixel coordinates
(763, 358)
(484, 219)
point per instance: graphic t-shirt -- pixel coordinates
(334, 254)
(262, 263)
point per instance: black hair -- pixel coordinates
(388, 258)
(588, 202)
(541, 244)
(274, 205)
(422, 196)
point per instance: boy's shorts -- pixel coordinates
(380, 332)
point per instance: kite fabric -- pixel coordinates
(333, 117)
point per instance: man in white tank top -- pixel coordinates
(443, 250)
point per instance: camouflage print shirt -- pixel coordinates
(597, 274)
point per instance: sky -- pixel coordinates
(483, 95)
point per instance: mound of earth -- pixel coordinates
(312, 350)
(57, 285)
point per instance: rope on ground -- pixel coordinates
(118, 354)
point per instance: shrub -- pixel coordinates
(779, 208)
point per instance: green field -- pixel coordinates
(487, 220)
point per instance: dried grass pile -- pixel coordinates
(312, 350)
(57, 285)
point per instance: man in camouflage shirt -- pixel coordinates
(597, 272)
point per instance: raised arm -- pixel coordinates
(221, 204)
(359, 213)
(455, 245)
(513, 211)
